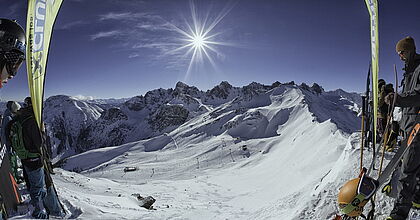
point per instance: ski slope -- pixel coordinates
(280, 155)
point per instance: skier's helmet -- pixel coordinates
(354, 195)
(381, 82)
(27, 101)
(13, 106)
(12, 45)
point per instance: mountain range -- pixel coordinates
(75, 125)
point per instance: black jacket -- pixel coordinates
(409, 99)
(31, 136)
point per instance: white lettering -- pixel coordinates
(38, 41)
(40, 12)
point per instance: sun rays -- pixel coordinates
(199, 37)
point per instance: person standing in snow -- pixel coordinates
(383, 108)
(384, 90)
(409, 100)
(12, 55)
(43, 196)
(11, 109)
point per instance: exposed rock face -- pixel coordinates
(168, 116)
(221, 91)
(113, 115)
(136, 103)
(317, 88)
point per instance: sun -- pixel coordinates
(199, 42)
(199, 38)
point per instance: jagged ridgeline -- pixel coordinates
(75, 125)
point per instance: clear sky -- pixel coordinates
(124, 48)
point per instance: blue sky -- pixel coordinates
(114, 49)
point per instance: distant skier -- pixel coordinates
(409, 100)
(26, 140)
(12, 55)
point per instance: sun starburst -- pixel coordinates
(200, 38)
(199, 42)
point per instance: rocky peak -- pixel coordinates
(290, 83)
(317, 88)
(254, 89)
(156, 96)
(275, 84)
(182, 88)
(224, 85)
(220, 91)
(305, 86)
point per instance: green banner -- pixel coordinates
(372, 6)
(39, 25)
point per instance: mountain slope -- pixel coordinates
(271, 153)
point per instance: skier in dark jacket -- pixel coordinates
(409, 100)
(11, 109)
(384, 90)
(43, 197)
(12, 55)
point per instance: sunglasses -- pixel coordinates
(366, 188)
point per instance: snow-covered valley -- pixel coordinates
(276, 152)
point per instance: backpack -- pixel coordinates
(16, 139)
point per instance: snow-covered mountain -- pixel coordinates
(258, 152)
(65, 119)
(76, 125)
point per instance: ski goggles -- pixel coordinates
(13, 61)
(366, 188)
